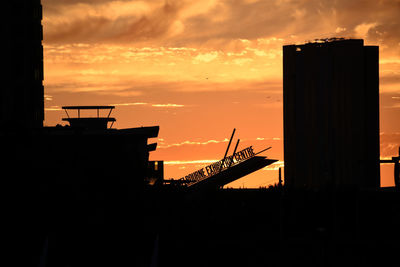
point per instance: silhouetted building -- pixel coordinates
(331, 114)
(21, 93)
(77, 186)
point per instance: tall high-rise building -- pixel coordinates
(21, 87)
(331, 114)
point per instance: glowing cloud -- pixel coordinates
(130, 104)
(274, 166)
(185, 162)
(194, 143)
(167, 105)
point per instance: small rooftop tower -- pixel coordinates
(89, 123)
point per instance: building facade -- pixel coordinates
(21, 90)
(331, 114)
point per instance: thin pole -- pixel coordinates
(234, 151)
(230, 141)
(396, 161)
(237, 144)
(263, 150)
(66, 112)
(109, 112)
(227, 149)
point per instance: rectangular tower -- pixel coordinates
(331, 114)
(21, 89)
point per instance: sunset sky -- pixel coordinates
(200, 68)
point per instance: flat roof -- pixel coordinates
(329, 42)
(89, 119)
(88, 107)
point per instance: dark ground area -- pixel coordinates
(273, 228)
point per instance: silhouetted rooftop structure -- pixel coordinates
(224, 171)
(78, 186)
(97, 122)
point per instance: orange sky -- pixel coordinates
(200, 68)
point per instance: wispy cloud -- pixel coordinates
(53, 108)
(274, 166)
(130, 104)
(186, 162)
(397, 105)
(109, 21)
(206, 57)
(390, 143)
(167, 105)
(268, 138)
(195, 143)
(208, 142)
(98, 86)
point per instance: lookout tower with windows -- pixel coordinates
(97, 122)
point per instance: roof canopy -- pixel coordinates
(89, 122)
(88, 107)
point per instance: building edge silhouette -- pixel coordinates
(22, 91)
